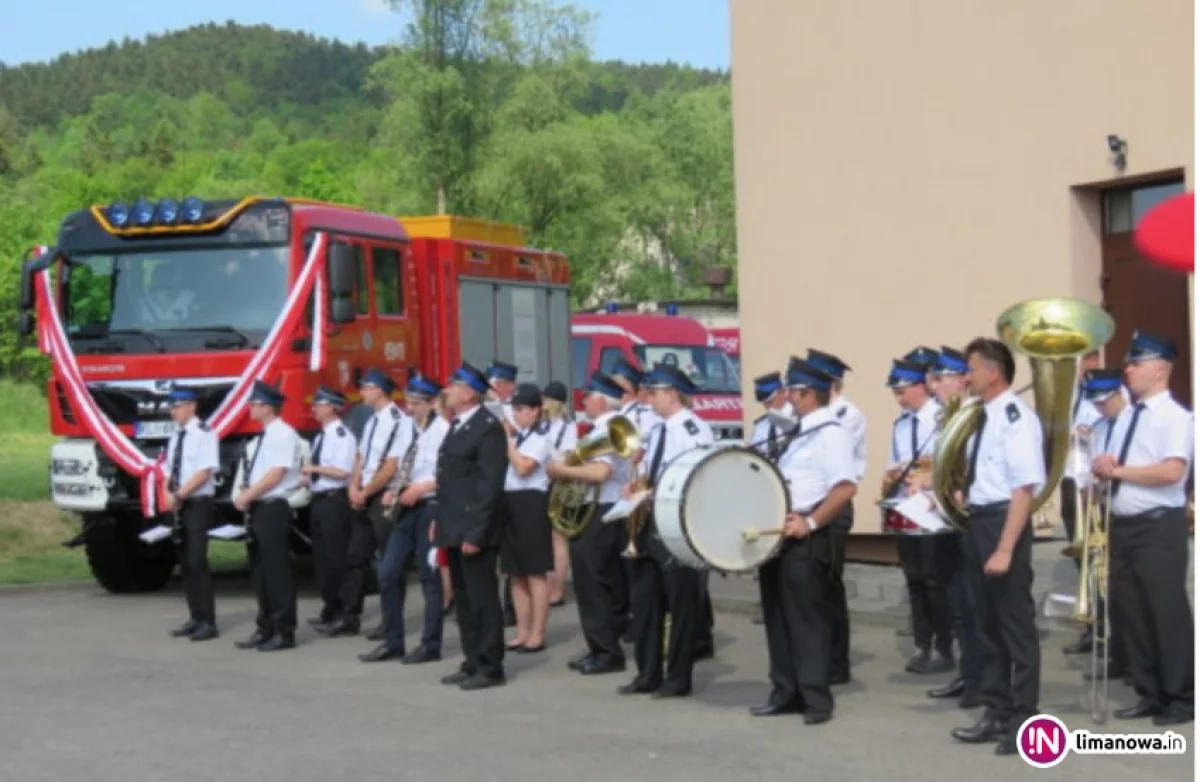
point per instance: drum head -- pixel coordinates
(732, 489)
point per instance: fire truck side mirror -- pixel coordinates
(26, 295)
(342, 310)
(341, 270)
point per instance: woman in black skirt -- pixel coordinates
(527, 554)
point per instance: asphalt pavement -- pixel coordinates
(93, 688)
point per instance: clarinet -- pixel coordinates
(246, 467)
(401, 480)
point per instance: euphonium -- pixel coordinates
(1053, 334)
(401, 481)
(572, 503)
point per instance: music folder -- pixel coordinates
(155, 534)
(228, 532)
(920, 510)
(622, 508)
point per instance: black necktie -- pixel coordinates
(975, 453)
(772, 442)
(177, 461)
(316, 454)
(453, 426)
(915, 447)
(659, 448)
(1078, 400)
(370, 437)
(1112, 424)
(1137, 411)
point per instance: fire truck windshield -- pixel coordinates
(154, 293)
(708, 367)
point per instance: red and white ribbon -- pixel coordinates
(53, 340)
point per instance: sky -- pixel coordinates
(686, 31)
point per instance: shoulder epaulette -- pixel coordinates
(203, 427)
(341, 431)
(395, 413)
(1014, 412)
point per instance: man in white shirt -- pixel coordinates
(192, 460)
(329, 469)
(408, 539)
(767, 435)
(595, 554)
(855, 425)
(502, 383)
(818, 465)
(385, 440)
(1148, 534)
(1005, 471)
(659, 582)
(271, 471)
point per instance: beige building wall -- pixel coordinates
(905, 170)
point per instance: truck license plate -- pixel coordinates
(154, 430)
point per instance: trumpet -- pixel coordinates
(636, 521)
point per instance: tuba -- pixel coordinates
(572, 503)
(1053, 334)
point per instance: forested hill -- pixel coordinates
(628, 169)
(264, 68)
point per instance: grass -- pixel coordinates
(25, 445)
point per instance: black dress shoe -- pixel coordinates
(635, 688)
(1173, 717)
(579, 662)
(1139, 710)
(481, 682)
(340, 627)
(381, 653)
(952, 690)
(185, 629)
(601, 665)
(987, 729)
(458, 677)
(773, 709)
(421, 655)
(205, 631)
(317, 621)
(671, 691)
(278, 643)
(254, 641)
(817, 718)
(937, 662)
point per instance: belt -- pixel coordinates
(270, 501)
(988, 507)
(329, 492)
(1153, 513)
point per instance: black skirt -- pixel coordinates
(527, 549)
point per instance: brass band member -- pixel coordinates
(409, 539)
(272, 472)
(564, 436)
(855, 425)
(660, 584)
(527, 553)
(1147, 464)
(949, 381)
(470, 488)
(502, 382)
(1005, 471)
(766, 435)
(795, 585)
(595, 558)
(385, 441)
(1083, 420)
(333, 453)
(192, 460)
(912, 440)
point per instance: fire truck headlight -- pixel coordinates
(68, 467)
(143, 212)
(192, 210)
(167, 211)
(118, 214)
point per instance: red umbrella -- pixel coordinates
(1166, 235)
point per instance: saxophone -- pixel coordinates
(401, 480)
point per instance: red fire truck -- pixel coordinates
(136, 299)
(729, 339)
(649, 339)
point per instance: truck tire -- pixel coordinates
(121, 562)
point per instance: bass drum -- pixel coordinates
(707, 496)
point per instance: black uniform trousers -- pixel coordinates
(479, 610)
(927, 562)
(407, 541)
(331, 520)
(191, 543)
(269, 549)
(796, 587)
(1009, 647)
(361, 548)
(964, 608)
(597, 570)
(660, 586)
(839, 617)
(1150, 605)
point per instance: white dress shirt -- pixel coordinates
(200, 452)
(563, 436)
(622, 469)
(766, 434)
(643, 418)
(817, 459)
(914, 426)
(535, 444)
(386, 436)
(855, 425)
(682, 432)
(1010, 451)
(277, 446)
(428, 444)
(336, 447)
(1164, 431)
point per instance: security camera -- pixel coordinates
(1116, 144)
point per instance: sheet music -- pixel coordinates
(228, 532)
(155, 534)
(622, 508)
(920, 510)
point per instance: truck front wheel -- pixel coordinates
(120, 561)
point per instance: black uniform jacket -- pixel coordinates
(471, 467)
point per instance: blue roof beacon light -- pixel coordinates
(118, 214)
(168, 210)
(611, 308)
(672, 309)
(192, 209)
(143, 212)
